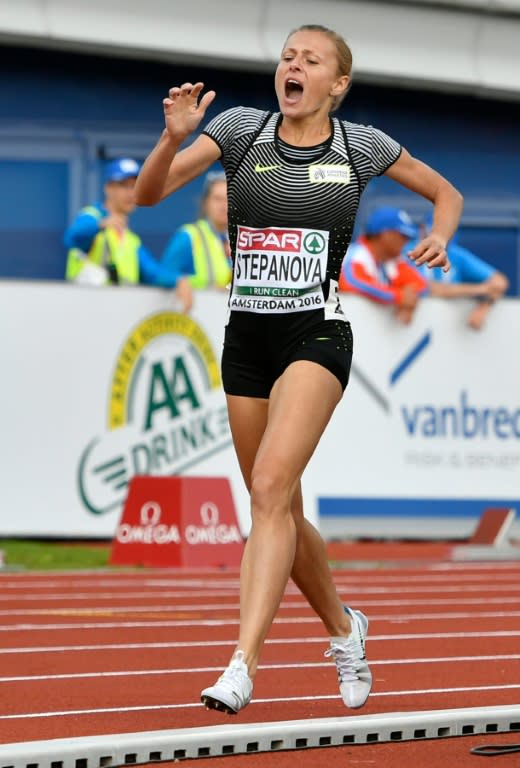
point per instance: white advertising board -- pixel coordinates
(101, 384)
(428, 433)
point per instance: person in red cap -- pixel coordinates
(374, 267)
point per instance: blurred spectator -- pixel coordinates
(468, 277)
(103, 249)
(374, 267)
(199, 251)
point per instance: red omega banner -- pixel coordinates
(178, 521)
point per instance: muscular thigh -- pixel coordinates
(301, 404)
(283, 378)
(247, 420)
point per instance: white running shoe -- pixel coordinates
(355, 678)
(233, 689)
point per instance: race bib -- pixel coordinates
(279, 270)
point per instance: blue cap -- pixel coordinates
(121, 169)
(394, 219)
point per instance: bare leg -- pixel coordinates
(311, 574)
(265, 570)
(286, 445)
(315, 583)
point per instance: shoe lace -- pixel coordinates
(233, 675)
(348, 657)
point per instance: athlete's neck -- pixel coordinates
(305, 132)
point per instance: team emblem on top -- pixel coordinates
(329, 174)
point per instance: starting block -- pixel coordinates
(178, 521)
(493, 527)
(490, 538)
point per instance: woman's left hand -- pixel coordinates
(431, 251)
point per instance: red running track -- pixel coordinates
(112, 652)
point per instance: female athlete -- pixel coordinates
(294, 178)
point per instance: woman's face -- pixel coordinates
(307, 76)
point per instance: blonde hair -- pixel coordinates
(343, 54)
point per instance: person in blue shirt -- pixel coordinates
(102, 249)
(468, 277)
(199, 251)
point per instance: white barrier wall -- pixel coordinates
(99, 385)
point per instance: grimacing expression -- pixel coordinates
(307, 75)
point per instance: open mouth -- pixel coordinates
(293, 90)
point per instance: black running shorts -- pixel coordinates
(257, 353)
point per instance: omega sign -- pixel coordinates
(178, 521)
(152, 531)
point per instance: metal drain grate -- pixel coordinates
(155, 746)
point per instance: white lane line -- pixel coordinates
(198, 622)
(141, 595)
(343, 586)
(340, 577)
(121, 585)
(234, 598)
(468, 566)
(104, 647)
(301, 665)
(234, 606)
(280, 700)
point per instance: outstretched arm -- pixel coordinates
(443, 290)
(486, 293)
(166, 168)
(448, 202)
(491, 289)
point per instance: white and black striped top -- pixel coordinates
(271, 184)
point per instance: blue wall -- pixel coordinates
(60, 116)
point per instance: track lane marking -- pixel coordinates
(282, 699)
(224, 622)
(270, 641)
(340, 576)
(264, 667)
(514, 586)
(233, 604)
(448, 585)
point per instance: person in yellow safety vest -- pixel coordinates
(102, 249)
(199, 251)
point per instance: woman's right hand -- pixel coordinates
(183, 111)
(166, 169)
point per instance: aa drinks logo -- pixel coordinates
(166, 410)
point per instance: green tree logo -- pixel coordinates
(314, 243)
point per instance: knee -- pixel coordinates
(269, 493)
